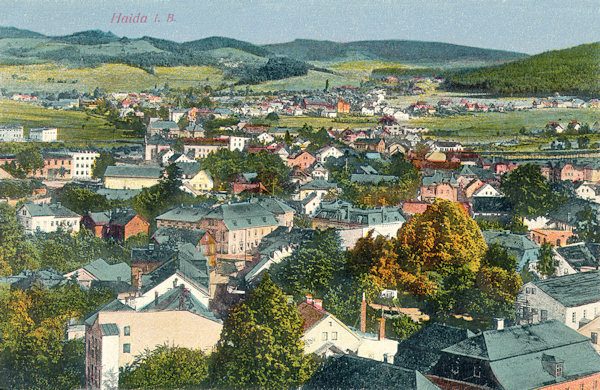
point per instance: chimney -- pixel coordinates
(309, 299)
(382, 328)
(363, 314)
(498, 323)
(155, 298)
(318, 303)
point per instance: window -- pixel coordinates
(574, 317)
(477, 372)
(324, 336)
(126, 330)
(543, 315)
(594, 338)
(334, 335)
(127, 348)
(558, 370)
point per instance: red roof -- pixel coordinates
(310, 315)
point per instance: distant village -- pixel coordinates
(204, 257)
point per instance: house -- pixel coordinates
(117, 333)
(525, 250)
(569, 299)
(587, 191)
(100, 270)
(201, 239)
(487, 190)
(118, 224)
(154, 145)
(45, 277)
(322, 330)
(343, 106)
(247, 182)
(551, 236)
(200, 182)
(47, 217)
(238, 143)
(202, 147)
(370, 145)
(57, 166)
(577, 257)
(547, 355)
(494, 208)
(354, 372)
(439, 185)
(131, 176)
(11, 133)
(43, 134)
(591, 330)
(167, 129)
(320, 187)
(302, 160)
(319, 172)
(328, 151)
(82, 163)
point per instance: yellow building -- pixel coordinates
(201, 182)
(131, 177)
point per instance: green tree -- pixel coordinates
(260, 344)
(81, 200)
(272, 116)
(104, 160)
(498, 256)
(546, 264)
(163, 113)
(166, 368)
(588, 227)
(30, 160)
(528, 191)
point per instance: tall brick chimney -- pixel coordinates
(382, 328)
(318, 303)
(363, 314)
(309, 299)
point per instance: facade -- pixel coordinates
(572, 299)
(302, 160)
(202, 147)
(56, 166)
(47, 218)
(43, 134)
(100, 270)
(200, 182)
(118, 224)
(131, 177)
(82, 164)
(11, 133)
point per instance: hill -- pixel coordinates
(414, 52)
(574, 70)
(12, 32)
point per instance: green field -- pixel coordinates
(71, 125)
(109, 77)
(311, 82)
(317, 123)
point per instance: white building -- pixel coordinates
(82, 164)
(47, 218)
(11, 133)
(43, 134)
(238, 143)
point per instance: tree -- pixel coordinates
(528, 191)
(81, 199)
(104, 160)
(260, 344)
(166, 368)
(30, 160)
(272, 116)
(546, 264)
(498, 256)
(183, 122)
(163, 113)
(588, 226)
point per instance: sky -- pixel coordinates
(527, 26)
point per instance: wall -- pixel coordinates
(129, 183)
(313, 337)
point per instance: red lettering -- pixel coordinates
(170, 18)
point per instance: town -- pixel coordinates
(345, 236)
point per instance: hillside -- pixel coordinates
(575, 70)
(390, 50)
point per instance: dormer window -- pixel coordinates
(552, 365)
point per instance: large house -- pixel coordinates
(119, 224)
(131, 177)
(100, 270)
(47, 217)
(202, 147)
(82, 163)
(525, 250)
(547, 355)
(571, 299)
(43, 134)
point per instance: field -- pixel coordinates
(109, 77)
(317, 123)
(71, 125)
(311, 82)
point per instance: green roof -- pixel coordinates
(133, 171)
(109, 329)
(243, 215)
(179, 298)
(572, 290)
(49, 209)
(107, 272)
(160, 125)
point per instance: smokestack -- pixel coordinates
(498, 323)
(318, 303)
(363, 314)
(382, 328)
(309, 299)
(155, 298)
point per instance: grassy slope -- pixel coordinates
(109, 77)
(572, 70)
(72, 125)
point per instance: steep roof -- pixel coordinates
(114, 305)
(572, 290)
(133, 171)
(167, 234)
(422, 350)
(179, 298)
(243, 215)
(581, 254)
(46, 277)
(515, 243)
(107, 272)
(274, 205)
(439, 177)
(344, 211)
(185, 213)
(49, 209)
(310, 315)
(353, 372)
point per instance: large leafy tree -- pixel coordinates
(260, 344)
(30, 160)
(16, 253)
(104, 160)
(81, 200)
(528, 191)
(166, 368)
(546, 264)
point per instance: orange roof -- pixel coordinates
(310, 315)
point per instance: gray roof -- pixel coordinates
(184, 213)
(480, 173)
(582, 254)
(167, 234)
(117, 194)
(515, 354)
(372, 179)
(161, 125)
(179, 298)
(439, 177)
(354, 372)
(319, 185)
(114, 305)
(274, 205)
(572, 290)
(133, 171)
(107, 272)
(49, 209)
(46, 277)
(189, 169)
(344, 211)
(109, 329)
(568, 211)
(243, 215)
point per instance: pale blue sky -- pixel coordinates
(529, 26)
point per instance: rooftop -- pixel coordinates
(573, 290)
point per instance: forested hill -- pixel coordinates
(389, 50)
(575, 70)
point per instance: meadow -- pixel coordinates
(109, 77)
